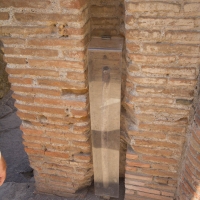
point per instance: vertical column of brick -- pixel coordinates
(190, 174)
(162, 42)
(107, 17)
(4, 84)
(45, 47)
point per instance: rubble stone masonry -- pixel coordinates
(45, 48)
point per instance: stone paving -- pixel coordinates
(19, 184)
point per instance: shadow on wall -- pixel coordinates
(4, 84)
(18, 169)
(189, 184)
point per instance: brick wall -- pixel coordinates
(45, 47)
(45, 43)
(162, 42)
(188, 186)
(107, 17)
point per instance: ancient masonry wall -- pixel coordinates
(45, 44)
(162, 42)
(189, 180)
(45, 47)
(4, 84)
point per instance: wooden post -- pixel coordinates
(105, 60)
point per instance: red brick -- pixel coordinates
(34, 132)
(66, 43)
(33, 145)
(160, 144)
(171, 49)
(26, 116)
(26, 31)
(138, 177)
(79, 113)
(149, 81)
(82, 157)
(181, 82)
(33, 72)
(75, 55)
(159, 173)
(191, 37)
(176, 72)
(76, 76)
(11, 41)
(73, 4)
(160, 166)
(4, 15)
(147, 134)
(137, 164)
(143, 189)
(162, 109)
(163, 187)
(131, 156)
(40, 110)
(161, 180)
(153, 196)
(35, 139)
(81, 129)
(162, 128)
(20, 80)
(67, 120)
(33, 90)
(34, 151)
(153, 151)
(22, 4)
(65, 102)
(152, 7)
(46, 18)
(132, 47)
(68, 135)
(57, 154)
(159, 159)
(27, 98)
(144, 35)
(168, 23)
(56, 63)
(169, 91)
(131, 182)
(150, 59)
(150, 100)
(31, 52)
(108, 11)
(14, 60)
(130, 169)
